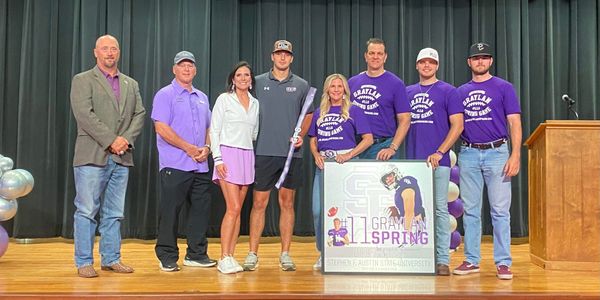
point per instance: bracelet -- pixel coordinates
(393, 146)
(439, 152)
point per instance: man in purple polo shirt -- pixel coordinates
(436, 123)
(181, 117)
(382, 97)
(492, 115)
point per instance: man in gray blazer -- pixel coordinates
(109, 112)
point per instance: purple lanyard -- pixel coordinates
(309, 99)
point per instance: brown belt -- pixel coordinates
(484, 146)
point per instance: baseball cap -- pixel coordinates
(480, 49)
(184, 55)
(428, 53)
(282, 45)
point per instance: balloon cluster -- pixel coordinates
(455, 204)
(13, 184)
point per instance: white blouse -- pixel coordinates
(231, 125)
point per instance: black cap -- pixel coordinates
(480, 49)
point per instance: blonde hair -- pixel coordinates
(326, 104)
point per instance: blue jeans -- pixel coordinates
(317, 209)
(476, 168)
(99, 189)
(371, 152)
(442, 222)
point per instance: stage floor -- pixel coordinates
(44, 269)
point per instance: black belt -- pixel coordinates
(380, 140)
(483, 146)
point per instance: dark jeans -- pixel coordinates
(177, 188)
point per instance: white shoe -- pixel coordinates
(236, 264)
(251, 262)
(286, 263)
(317, 265)
(226, 266)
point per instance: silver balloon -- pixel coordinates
(6, 163)
(28, 179)
(13, 184)
(8, 209)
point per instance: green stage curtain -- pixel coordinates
(546, 48)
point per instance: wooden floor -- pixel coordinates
(45, 270)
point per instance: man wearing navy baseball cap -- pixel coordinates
(181, 116)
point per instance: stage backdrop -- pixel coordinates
(544, 47)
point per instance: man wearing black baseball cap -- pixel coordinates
(492, 119)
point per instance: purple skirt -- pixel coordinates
(239, 163)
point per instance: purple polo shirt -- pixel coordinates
(381, 98)
(486, 106)
(188, 114)
(113, 81)
(429, 125)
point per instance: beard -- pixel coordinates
(479, 71)
(109, 63)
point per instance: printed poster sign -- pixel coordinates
(378, 217)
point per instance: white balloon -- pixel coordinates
(28, 179)
(453, 223)
(8, 209)
(452, 159)
(6, 163)
(453, 191)
(13, 184)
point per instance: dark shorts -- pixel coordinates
(269, 168)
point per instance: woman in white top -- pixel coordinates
(233, 127)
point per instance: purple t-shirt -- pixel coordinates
(429, 125)
(336, 134)
(338, 236)
(381, 98)
(188, 114)
(486, 106)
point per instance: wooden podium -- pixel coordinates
(564, 195)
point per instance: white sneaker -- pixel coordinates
(317, 265)
(286, 263)
(226, 266)
(251, 262)
(236, 264)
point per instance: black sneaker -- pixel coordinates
(203, 262)
(168, 267)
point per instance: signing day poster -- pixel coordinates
(378, 217)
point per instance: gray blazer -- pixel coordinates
(100, 120)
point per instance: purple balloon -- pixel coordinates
(456, 208)
(455, 175)
(454, 239)
(3, 241)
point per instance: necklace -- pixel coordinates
(427, 91)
